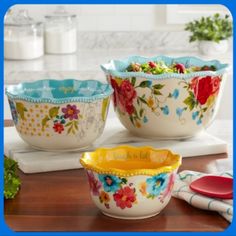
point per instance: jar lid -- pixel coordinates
(22, 18)
(60, 12)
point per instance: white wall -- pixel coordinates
(125, 17)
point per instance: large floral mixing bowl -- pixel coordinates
(59, 115)
(131, 182)
(169, 105)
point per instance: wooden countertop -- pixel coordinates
(60, 201)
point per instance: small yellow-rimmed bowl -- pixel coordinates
(131, 182)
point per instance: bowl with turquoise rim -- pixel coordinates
(168, 105)
(59, 115)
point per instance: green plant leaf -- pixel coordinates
(211, 28)
(11, 180)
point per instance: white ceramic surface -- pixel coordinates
(210, 48)
(138, 203)
(169, 105)
(90, 127)
(59, 116)
(177, 121)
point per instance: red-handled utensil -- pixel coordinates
(214, 186)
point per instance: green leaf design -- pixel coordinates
(138, 101)
(144, 84)
(135, 112)
(158, 86)
(69, 130)
(141, 112)
(21, 109)
(53, 112)
(44, 121)
(68, 124)
(190, 102)
(157, 92)
(124, 180)
(76, 124)
(142, 100)
(131, 119)
(133, 81)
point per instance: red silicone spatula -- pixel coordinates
(214, 186)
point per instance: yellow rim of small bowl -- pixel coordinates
(127, 173)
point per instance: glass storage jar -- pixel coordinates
(60, 32)
(23, 36)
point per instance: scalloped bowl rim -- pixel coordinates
(107, 92)
(84, 160)
(109, 68)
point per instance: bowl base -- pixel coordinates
(130, 217)
(61, 150)
(159, 138)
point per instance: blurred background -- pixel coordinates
(129, 17)
(107, 32)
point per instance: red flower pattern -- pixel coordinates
(58, 127)
(124, 95)
(204, 87)
(124, 197)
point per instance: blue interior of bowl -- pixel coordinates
(118, 67)
(59, 91)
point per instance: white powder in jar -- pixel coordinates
(60, 41)
(23, 48)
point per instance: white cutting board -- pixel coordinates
(34, 161)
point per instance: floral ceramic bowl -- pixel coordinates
(59, 114)
(167, 105)
(131, 182)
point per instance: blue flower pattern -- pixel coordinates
(195, 115)
(175, 94)
(145, 119)
(110, 183)
(156, 184)
(179, 111)
(165, 110)
(149, 83)
(199, 122)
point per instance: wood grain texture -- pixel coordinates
(60, 201)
